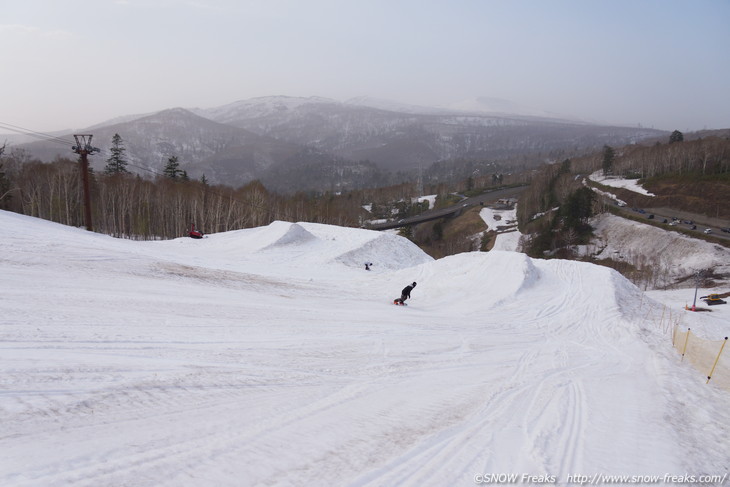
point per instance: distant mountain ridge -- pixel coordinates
(315, 143)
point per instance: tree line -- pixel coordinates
(161, 207)
(167, 204)
(704, 157)
(555, 208)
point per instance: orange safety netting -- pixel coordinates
(708, 356)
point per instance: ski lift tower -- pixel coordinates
(83, 147)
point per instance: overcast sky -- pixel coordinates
(658, 63)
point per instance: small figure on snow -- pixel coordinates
(367, 265)
(194, 233)
(405, 294)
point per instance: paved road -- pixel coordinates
(484, 198)
(701, 221)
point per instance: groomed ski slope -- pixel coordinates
(269, 356)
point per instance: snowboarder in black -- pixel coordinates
(405, 294)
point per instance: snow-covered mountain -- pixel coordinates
(223, 153)
(302, 139)
(260, 107)
(269, 356)
(395, 136)
(394, 106)
(501, 107)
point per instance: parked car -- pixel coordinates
(708, 230)
(650, 217)
(694, 227)
(726, 230)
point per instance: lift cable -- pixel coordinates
(33, 133)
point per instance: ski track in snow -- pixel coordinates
(270, 357)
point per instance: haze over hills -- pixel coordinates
(295, 143)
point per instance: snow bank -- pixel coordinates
(505, 222)
(616, 182)
(711, 325)
(672, 255)
(430, 198)
(385, 252)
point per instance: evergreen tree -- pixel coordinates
(172, 169)
(676, 136)
(565, 167)
(578, 208)
(406, 232)
(608, 156)
(204, 180)
(117, 162)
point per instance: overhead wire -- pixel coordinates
(33, 133)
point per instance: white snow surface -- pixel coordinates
(430, 198)
(504, 222)
(617, 182)
(269, 356)
(674, 255)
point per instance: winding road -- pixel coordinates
(484, 198)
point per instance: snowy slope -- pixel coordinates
(619, 182)
(269, 356)
(504, 222)
(672, 255)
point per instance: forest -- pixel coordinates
(553, 210)
(686, 175)
(168, 203)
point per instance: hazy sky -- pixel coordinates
(659, 63)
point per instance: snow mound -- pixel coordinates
(486, 278)
(386, 252)
(294, 235)
(322, 245)
(295, 247)
(480, 283)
